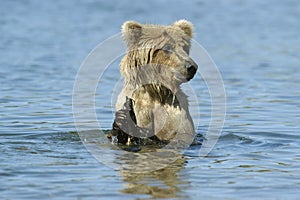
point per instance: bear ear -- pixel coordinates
(186, 26)
(131, 31)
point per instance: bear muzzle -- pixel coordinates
(191, 68)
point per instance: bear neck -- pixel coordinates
(159, 93)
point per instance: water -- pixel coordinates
(256, 47)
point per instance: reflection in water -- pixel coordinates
(153, 170)
(166, 179)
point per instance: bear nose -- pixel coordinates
(191, 68)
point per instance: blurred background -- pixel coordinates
(256, 46)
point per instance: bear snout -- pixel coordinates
(191, 68)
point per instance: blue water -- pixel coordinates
(256, 46)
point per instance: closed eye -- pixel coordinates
(167, 48)
(186, 48)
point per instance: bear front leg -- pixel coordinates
(125, 129)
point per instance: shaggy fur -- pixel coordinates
(151, 104)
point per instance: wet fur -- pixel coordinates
(151, 101)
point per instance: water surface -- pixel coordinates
(256, 47)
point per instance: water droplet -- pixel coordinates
(114, 139)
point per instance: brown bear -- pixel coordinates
(151, 105)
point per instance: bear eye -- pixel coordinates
(186, 49)
(167, 48)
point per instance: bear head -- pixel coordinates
(158, 54)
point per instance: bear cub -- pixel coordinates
(151, 107)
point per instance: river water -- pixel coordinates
(255, 45)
